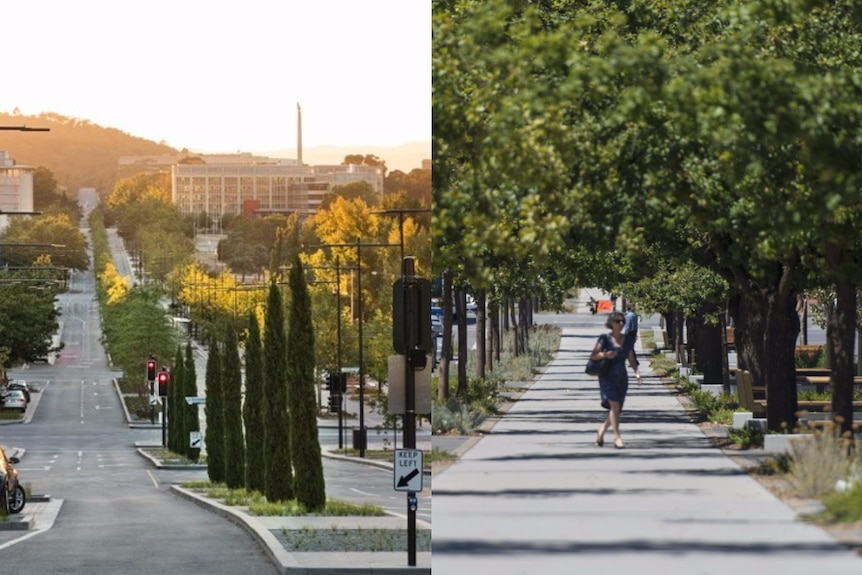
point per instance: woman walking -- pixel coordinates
(614, 384)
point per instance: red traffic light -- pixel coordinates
(164, 379)
(151, 369)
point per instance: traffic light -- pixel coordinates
(334, 403)
(151, 369)
(164, 379)
(330, 380)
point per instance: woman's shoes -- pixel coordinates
(618, 443)
(600, 441)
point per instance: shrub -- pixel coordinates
(456, 417)
(819, 461)
(811, 357)
(844, 506)
(746, 438)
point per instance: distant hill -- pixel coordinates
(405, 157)
(81, 154)
(85, 155)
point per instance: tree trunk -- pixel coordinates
(725, 366)
(446, 351)
(494, 332)
(524, 315)
(515, 328)
(678, 324)
(802, 311)
(708, 346)
(779, 342)
(480, 335)
(840, 333)
(461, 302)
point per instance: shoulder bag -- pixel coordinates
(598, 367)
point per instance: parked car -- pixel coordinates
(15, 399)
(436, 326)
(12, 496)
(22, 385)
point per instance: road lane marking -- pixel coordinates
(153, 479)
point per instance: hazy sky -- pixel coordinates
(225, 75)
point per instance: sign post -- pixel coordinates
(411, 337)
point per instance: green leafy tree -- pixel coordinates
(309, 485)
(128, 344)
(215, 413)
(58, 236)
(191, 422)
(234, 447)
(278, 475)
(28, 319)
(177, 437)
(252, 409)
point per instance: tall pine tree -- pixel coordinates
(308, 483)
(214, 413)
(234, 448)
(252, 409)
(278, 478)
(175, 404)
(190, 412)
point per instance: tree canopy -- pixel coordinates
(584, 134)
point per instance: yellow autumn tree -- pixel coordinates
(116, 286)
(211, 295)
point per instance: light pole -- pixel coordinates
(24, 129)
(359, 245)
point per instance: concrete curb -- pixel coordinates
(286, 561)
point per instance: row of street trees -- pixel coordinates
(606, 145)
(268, 442)
(37, 253)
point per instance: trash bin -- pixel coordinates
(360, 438)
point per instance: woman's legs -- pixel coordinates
(614, 421)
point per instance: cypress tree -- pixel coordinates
(252, 409)
(278, 472)
(190, 412)
(175, 404)
(234, 448)
(308, 482)
(214, 411)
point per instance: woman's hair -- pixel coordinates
(614, 315)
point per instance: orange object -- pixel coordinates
(604, 305)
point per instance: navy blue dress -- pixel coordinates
(615, 384)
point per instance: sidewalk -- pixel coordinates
(537, 496)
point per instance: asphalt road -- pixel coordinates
(117, 515)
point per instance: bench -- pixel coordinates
(824, 405)
(821, 381)
(746, 389)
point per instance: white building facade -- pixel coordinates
(219, 189)
(16, 188)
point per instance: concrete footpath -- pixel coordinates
(536, 495)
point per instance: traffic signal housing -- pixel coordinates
(151, 369)
(164, 379)
(334, 403)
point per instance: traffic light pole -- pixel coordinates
(410, 317)
(164, 423)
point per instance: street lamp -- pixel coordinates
(24, 129)
(359, 245)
